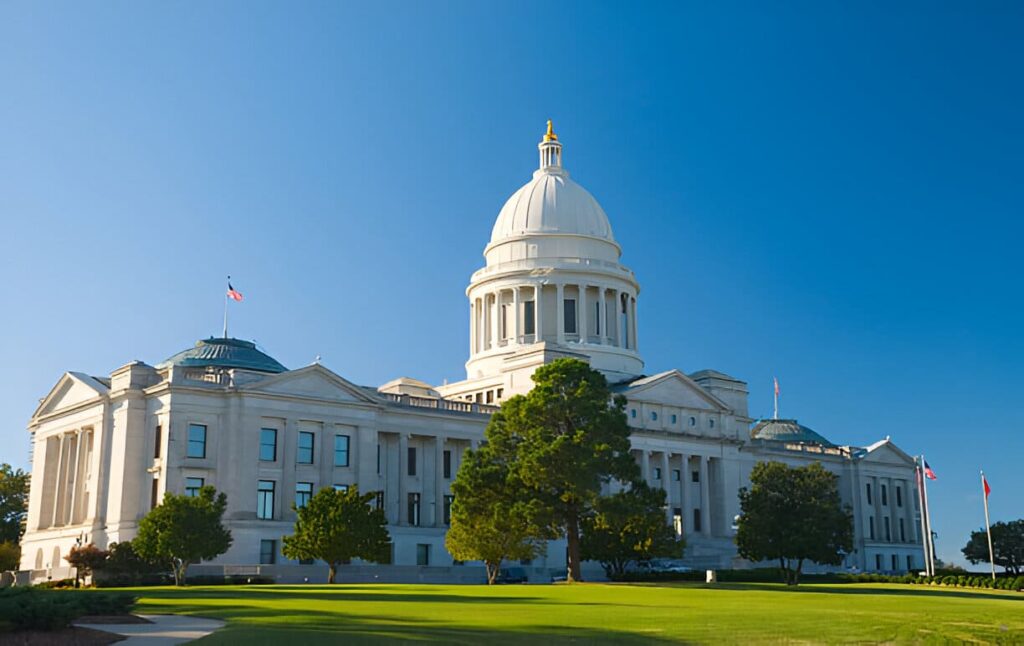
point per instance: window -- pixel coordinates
(674, 419)
(305, 454)
(158, 440)
(447, 457)
(529, 318)
(378, 459)
(895, 563)
(196, 440)
(154, 494)
(695, 476)
(885, 498)
(411, 469)
(871, 528)
(696, 520)
(878, 562)
(899, 497)
(268, 444)
(448, 500)
(341, 450)
(654, 416)
(569, 307)
(632, 413)
(657, 473)
(676, 475)
(265, 499)
(693, 421)
(414, 509)
(341, 487)
(499, 392)
(597, 318)
(503, 322)
(303, 492)
(422, 554)
(379, 500)
(711, 423)
(677, 521)
(490, 397)
(888, 533)
(268, 552)
(192, 486)
(869, 494)
(903, 531)
(910, 562)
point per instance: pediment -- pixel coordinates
(72, 389)
(885, 452)
(314, 382)
(673, 388)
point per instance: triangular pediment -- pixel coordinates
(315, 382)
(673, 388)
(885, 452)
(72, 389)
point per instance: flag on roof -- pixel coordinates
(928, 471)
(233, 293)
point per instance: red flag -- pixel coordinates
(233, 293)
(984, 483)
(928, 471)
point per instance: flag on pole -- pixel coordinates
(984, 484)
(776, 386)
(233, 293)
(928, 471)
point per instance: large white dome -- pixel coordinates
(551, 203)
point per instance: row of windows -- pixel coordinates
(885, 496)
(673, 419)
(677, 475)
(888, 529)
(485, 396)
(266, 493)
(894, 561)
(305, 446)
(410, 462)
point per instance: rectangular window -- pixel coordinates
(192, 486)
(447, 457)
(885, 498)
(899, 496)
(696, 520)
(869, 494)
(414, 509)
(676, 475)
(529, 318)
(871, 528)
(268, 444)
(411, 461)
(341, 487)
(196, 441)
(569, 307)
(268, 552)
(695, 476)
(677, 521)
(379, 501)
(423, 554)
(154, 494)
(878, 562)
(448, 500)
(305, 453)
(303, 492)
(888, 533)
(597, 318)
(903, 532)
(158, 440)
(910, 562)
(341, 450)
(378, 457)
(265, 499)
(503, 322)
(895, 563)
(657, 473)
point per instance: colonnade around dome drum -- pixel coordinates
(565, 313)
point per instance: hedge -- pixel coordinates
(774, 575)
(25, 608)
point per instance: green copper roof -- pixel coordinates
(786, 430)
(225, 353)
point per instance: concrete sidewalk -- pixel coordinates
(164, 631)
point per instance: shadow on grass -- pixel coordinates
(368, 594)
(854, 589)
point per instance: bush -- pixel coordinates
(23, 608)
(57, 584)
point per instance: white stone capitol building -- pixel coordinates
(223, 413)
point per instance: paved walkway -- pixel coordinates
(164, 631)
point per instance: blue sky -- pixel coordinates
(827, 192)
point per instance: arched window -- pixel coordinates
(56, 557)
(693, 421)
(654, 416)
(711, 423)
(39, 559)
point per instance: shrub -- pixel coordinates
(56, 584)
(24, 608)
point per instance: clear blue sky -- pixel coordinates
(827, 192)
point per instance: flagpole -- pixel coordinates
(988, 528)
(928, 519)
(924, 525)
(776, 415)
(226, 310)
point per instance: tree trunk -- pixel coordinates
(492, 571)
(179, 571)
(332, 569)
(796, 573)
(784, 570)
(572, 535)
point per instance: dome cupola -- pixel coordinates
(219, 352)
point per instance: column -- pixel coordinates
(908, 510)
(583, 314)
(439, 481)
(73, 468)
(684, 478)
(665, 480)
(645, 466)
(617, 339)
(635, 345)
(705, 497)
(478, 326)
(403, 485)
(602, 326)
(472, 327)
(60, 482)
(493, 309)
(560, 313)
(876, 508)
(515, 314)
(538, 293)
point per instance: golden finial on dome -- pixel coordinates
(550, 134)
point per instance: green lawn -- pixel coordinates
(597, 613)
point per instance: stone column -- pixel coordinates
(439, 481)
(645, 466)
(616, 307)
(582, 314)
(560, 313)
(403, 478)
(73, 468)
(472, 327)
(684, 478)
(705, 496)
(633, 331)
(665, 480)
(61, 485)
(495, 314)
(876, 508)
(538, 294)
(515, 314)
(602, 327)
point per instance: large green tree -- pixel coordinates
(793, 515)
(337, 526)
(628, 527)
(183, 530)
(569, 437)
(13, 503)
(491, 517)
(1007, 546)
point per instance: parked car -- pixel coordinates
(559, 576)
(511, 575)
(665, 565)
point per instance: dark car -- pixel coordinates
(511, 575)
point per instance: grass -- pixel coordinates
(597, 613)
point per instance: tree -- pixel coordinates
(10, 556)
(1007, 546)
(337, 526)
(491, 518)
(13, 503)
(183, 530)
(792, 515)
(569, 436)
(85, 559)
(627, 527)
